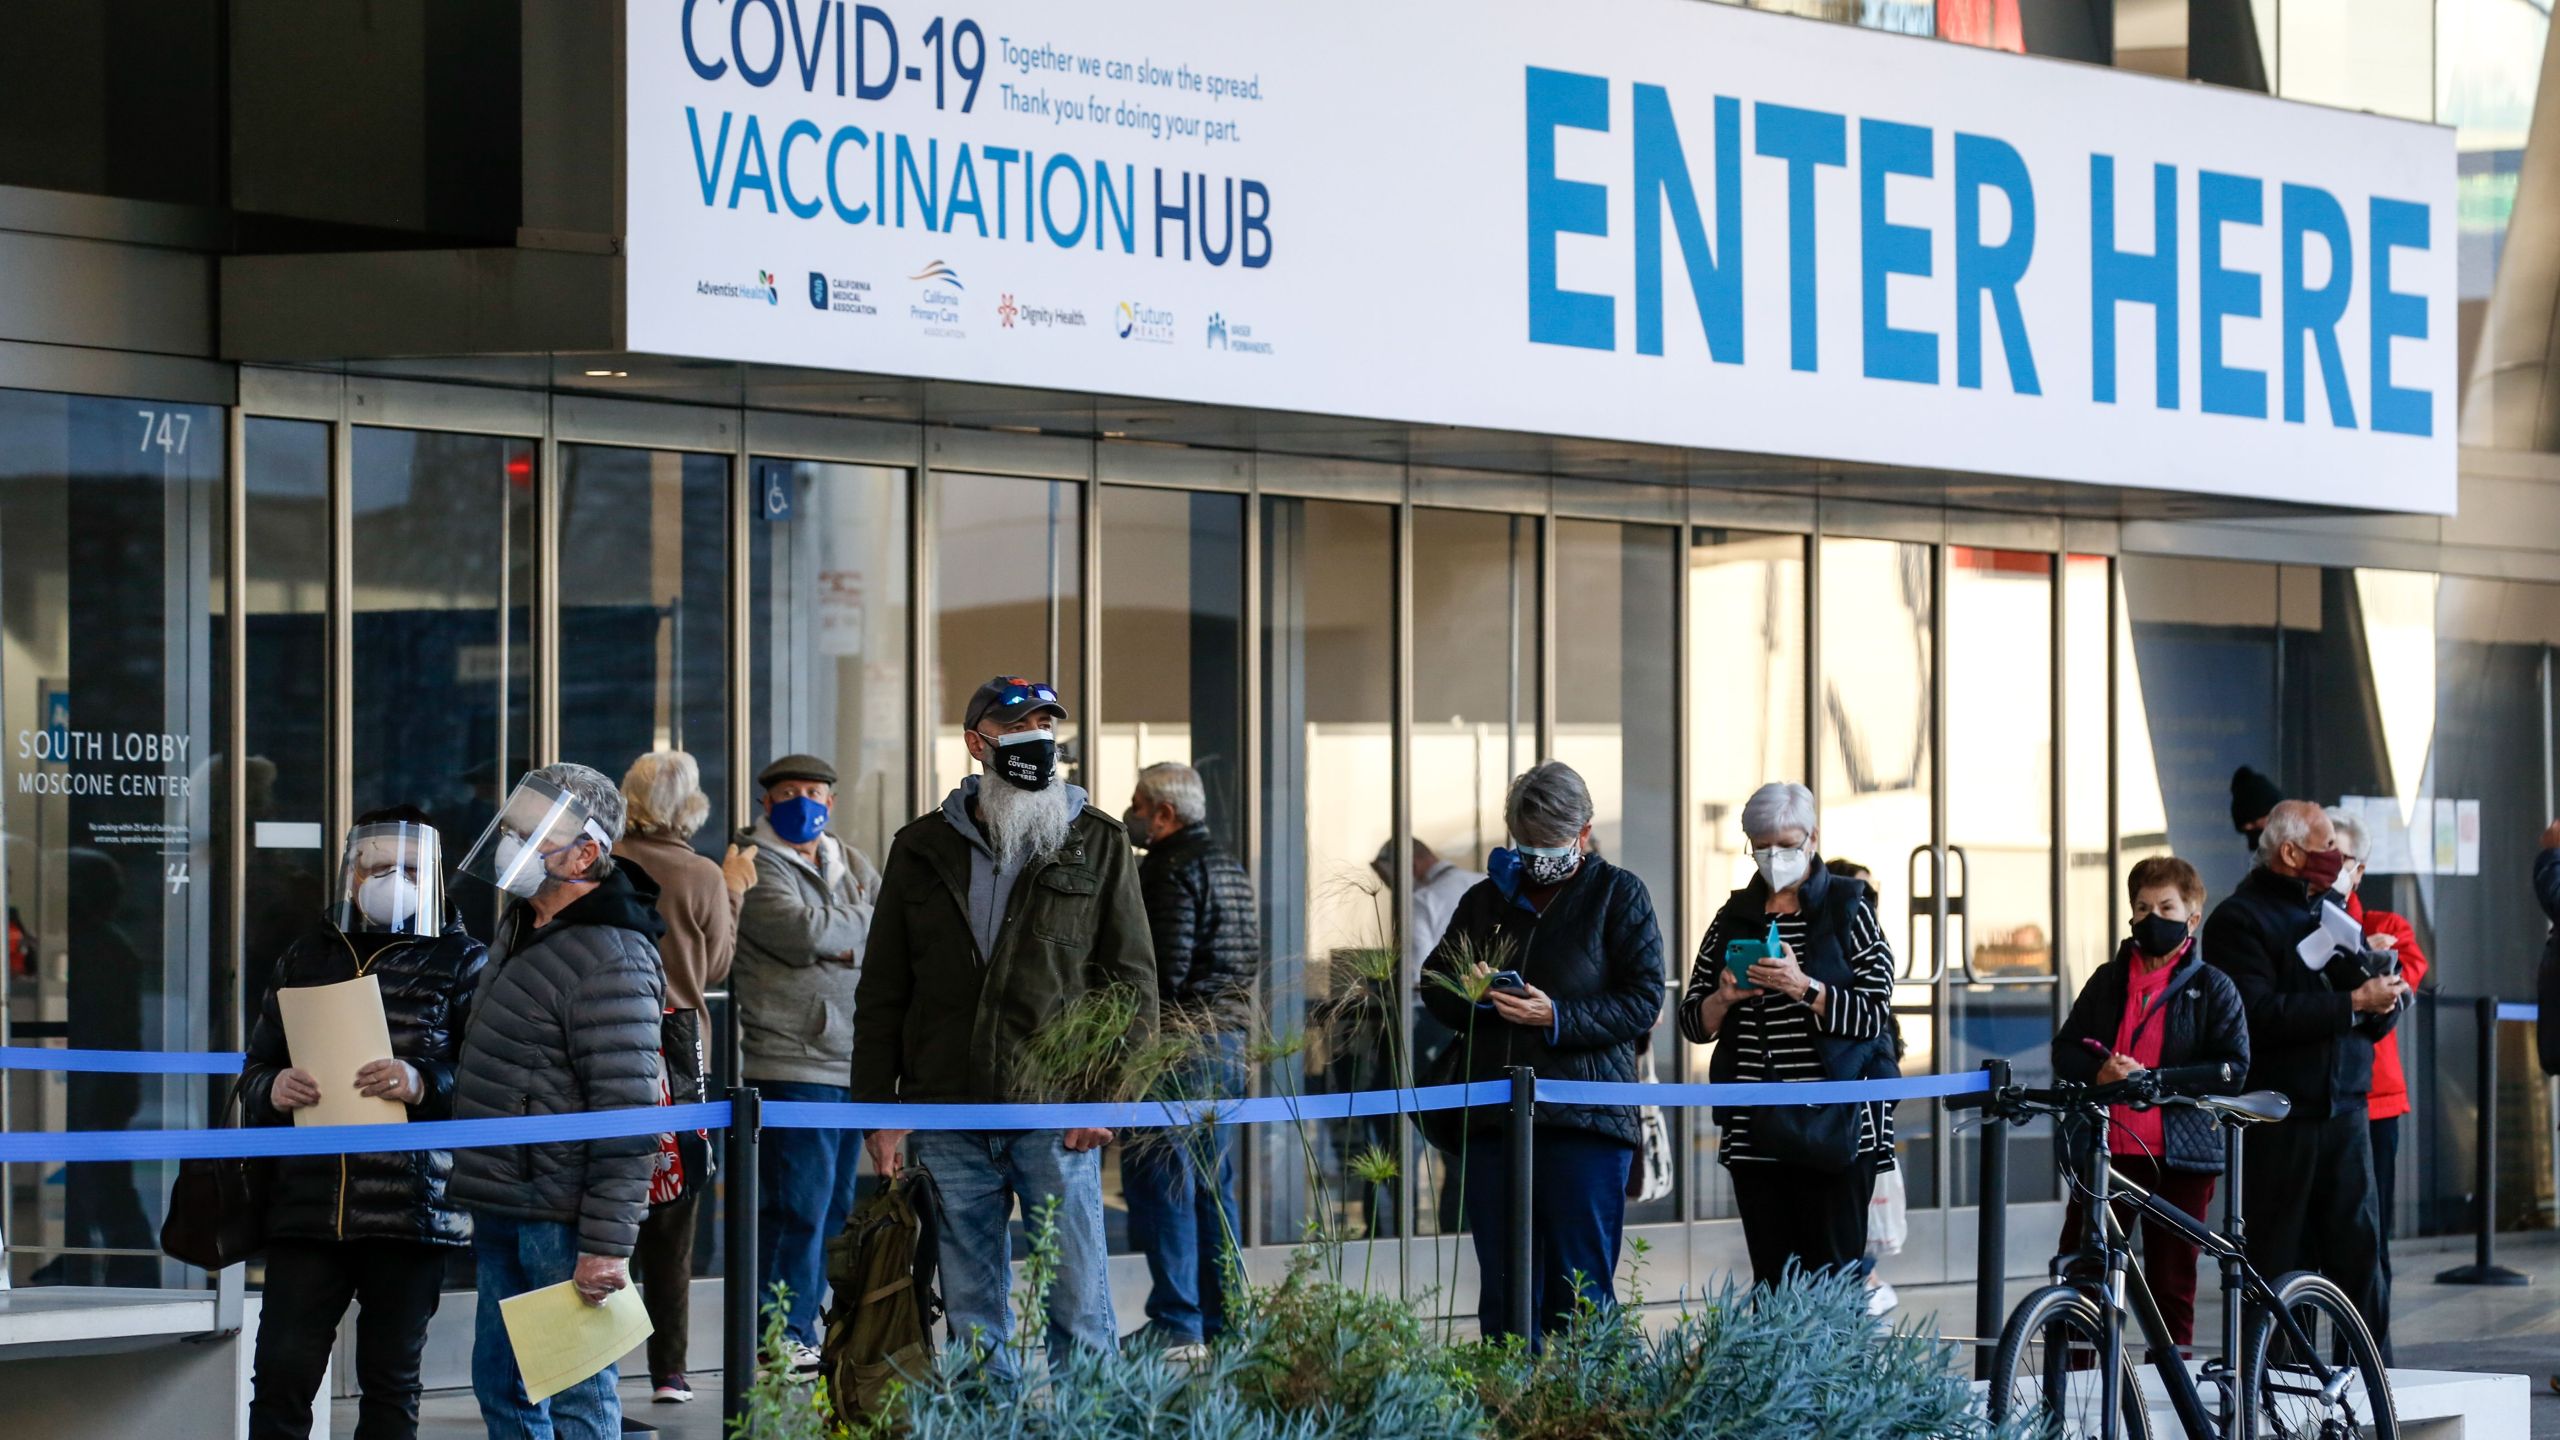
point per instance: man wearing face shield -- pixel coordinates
(1010, 903)
(374, 1229)
(2314, 1015)
(566, 1021)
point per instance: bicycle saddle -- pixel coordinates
(2253, 1108)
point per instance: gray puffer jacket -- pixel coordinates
(801, 933)
(567, 1021)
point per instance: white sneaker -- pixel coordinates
(1881, 1300)
(671, 1390)
(1189, 1352)
(805, 1362)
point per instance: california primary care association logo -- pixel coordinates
(843, 297)
(936, 306)
(764, 289)
(1133, 321)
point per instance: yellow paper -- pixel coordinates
(560, 1339)
(333, 1031)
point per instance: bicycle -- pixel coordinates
(2061, 1355)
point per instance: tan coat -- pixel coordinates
(700, 911)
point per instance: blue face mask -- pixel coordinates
(800, 819)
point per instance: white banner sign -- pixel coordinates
(1647, 220)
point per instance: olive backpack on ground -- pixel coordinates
(880, 1318)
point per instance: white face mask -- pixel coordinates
(2349, 875)
(1782, 867)
(388, 899)
(524, 883)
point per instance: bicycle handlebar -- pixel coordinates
(2170, 1085)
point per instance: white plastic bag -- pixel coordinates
(1888, 1216)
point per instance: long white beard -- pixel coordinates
(1023, 825)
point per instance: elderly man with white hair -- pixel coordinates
(1818, 1005)
(2314, 1015)
(1181, 1188)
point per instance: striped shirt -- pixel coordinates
(1773, 1034)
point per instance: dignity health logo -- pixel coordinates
(763, 289)
(1134, 321)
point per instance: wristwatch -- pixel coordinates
(1812, 990)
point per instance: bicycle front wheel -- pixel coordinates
(2335, 1391)
(2046, 1371)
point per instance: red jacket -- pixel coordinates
(2390, 1087)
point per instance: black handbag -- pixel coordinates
(1821, 1138)
(218, 1207)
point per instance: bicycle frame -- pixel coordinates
(2109, 1245)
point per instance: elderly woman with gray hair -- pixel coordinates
(1563, 951)
(1795, 980)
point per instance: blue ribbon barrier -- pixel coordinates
(33, 1146)
(1775, 1092)
(121, 1062)
(30, 1147)
(2513, 1010)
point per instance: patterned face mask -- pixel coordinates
(1549, 864)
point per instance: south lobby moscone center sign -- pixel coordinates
(1646, 220)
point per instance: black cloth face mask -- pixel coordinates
(2157, 935)
(1028, 759)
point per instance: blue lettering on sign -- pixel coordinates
(2310, 314)
(1662, 180)
(2222, 292)
(2128, 277)
(1992, 272)
(1559, 99)
(2396, 225)
(1804, 139)
(1887, 148)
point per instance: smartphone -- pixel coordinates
(1509, 980)
(2094, 1048)
(1741, 955)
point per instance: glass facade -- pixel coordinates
(1993, 731)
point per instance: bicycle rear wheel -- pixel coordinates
(2046, 1370)
(2290, 1400)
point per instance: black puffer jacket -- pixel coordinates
(427, 984)
(2305, 1037)
(2202, 1022)
(1208, 933)
(567, 1022)
(1597, 953)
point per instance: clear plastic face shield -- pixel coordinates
(391, 880)
(539, 837)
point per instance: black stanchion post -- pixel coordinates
(2484, 1268)
(1517, 1248)
(1991, 1236)
(740, 1328)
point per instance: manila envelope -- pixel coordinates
(333, 1031)
(560, 1339)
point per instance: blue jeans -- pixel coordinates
(981, 1173)
(515, 1256)
(1577, 1216)
(1182, 1221)
(804, 1189)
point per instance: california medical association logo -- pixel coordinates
(763, 289)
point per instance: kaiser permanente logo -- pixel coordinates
(1234, 336)
(1134, 321)
(763, 289)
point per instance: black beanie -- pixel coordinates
(2252, 796)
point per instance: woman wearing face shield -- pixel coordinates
(1564, 950)
(1818, 1005)
(374, 1229)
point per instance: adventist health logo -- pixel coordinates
(844, 297)
(763, 289)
